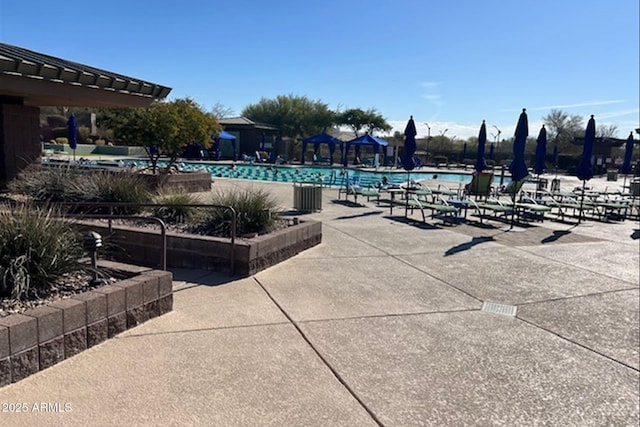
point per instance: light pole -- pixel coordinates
(497, 137)
(428, 138)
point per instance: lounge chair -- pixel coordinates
(439, 209)
(480, 185)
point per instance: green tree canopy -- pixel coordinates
(164, 127)
(357, 119)
(295, 116)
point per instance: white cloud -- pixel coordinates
(578, 105)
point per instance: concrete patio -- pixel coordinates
(381, 324)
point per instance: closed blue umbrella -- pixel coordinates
(409, 145)
(585, 168)
(518, 167)
(541, 151)
(72, 132)
(491, 150)
(263, 142)
(463, 155)
(628, 153)
(481, 164)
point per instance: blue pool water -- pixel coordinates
(330, 176)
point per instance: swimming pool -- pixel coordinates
(327, 175)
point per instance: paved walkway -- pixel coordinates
(381, 324)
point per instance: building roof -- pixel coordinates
(41, 80)
(244, 122)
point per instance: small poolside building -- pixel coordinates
(249, 136)
(30, 80)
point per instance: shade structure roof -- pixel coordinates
(367, 139)
(39, 80)
(323, 137)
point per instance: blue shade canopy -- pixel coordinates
(628, 153)
(225, 135)
(409, 145)
(72, 132)
(481, 164)
(585, 168)
(518, 167)
(320, 138)
(367, 139)
(541, 151)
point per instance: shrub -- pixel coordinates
(36, 249)
(175, 214)
(62, 140)
(52, 184)
(253, 209)
(123, 187)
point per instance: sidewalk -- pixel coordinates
(381, 324)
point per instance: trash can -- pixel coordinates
(612, 174)
(307, 196)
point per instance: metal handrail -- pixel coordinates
(111, 215)
(163, 229)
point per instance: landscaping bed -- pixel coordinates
(142, 246)
(40, 337)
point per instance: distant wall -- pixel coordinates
(19, 139)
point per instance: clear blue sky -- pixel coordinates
(448, 63)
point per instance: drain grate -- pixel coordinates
(495, 308)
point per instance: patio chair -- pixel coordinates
(480, 185)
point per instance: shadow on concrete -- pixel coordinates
(414, 223)
(555, 235)
(468, 245)
(348, 203)
(369, 213)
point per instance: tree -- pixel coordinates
(562, 129)
(606, 131)
(162, 128)
(294, 116)
(357, 119)
(220, 111)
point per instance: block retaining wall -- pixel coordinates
(43, 336)
(142, 247)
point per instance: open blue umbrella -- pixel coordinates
(72, 132)
(541, 151)
(518, 167)
(481, 164)
(585, 168)
(628, 153)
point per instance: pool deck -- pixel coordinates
(381, 324)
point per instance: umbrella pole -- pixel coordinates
(584, 182)
(406, 196)
(74, 155)
(513, 209)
